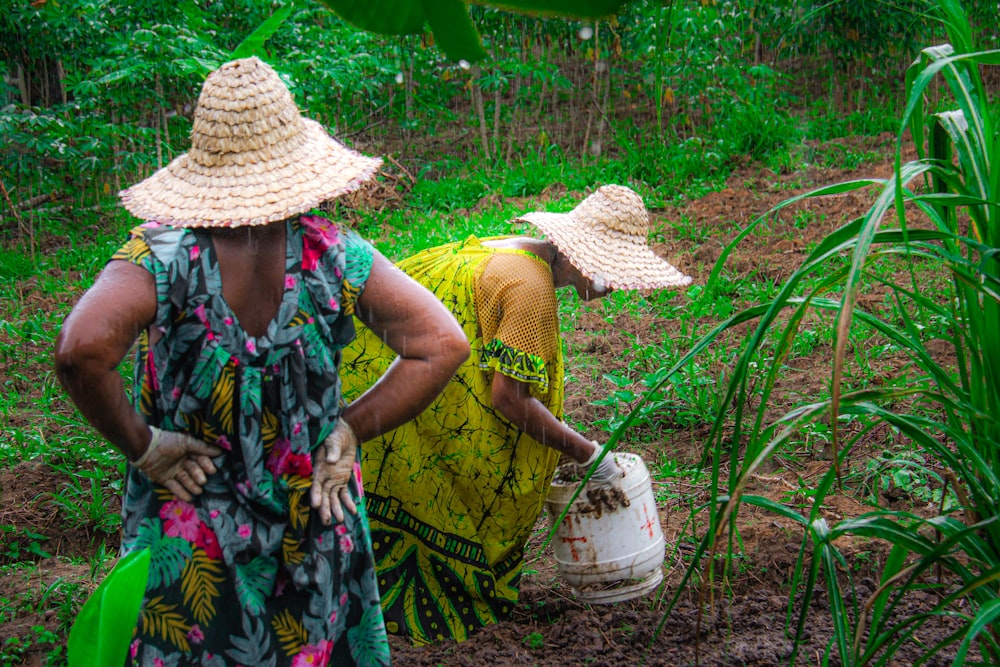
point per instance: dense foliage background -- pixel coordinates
(897, 309)
(98, 93)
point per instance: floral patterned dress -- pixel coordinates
(246, 573)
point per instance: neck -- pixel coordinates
(248, 231)
(544, 249)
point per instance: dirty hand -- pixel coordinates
(332, 470)
(607, 471)
(178, 461)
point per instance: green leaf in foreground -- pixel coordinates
(103, 629)
(449, 19)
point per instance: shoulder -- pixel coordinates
(153, 241)
(521, 265)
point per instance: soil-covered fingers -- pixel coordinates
(205, 463)
(323, 489)
(194, 470)
(189, 480)
(342, 500)
(178, 490)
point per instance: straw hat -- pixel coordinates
(253, 160)
(605, 238)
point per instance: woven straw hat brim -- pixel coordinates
(619, 260)
(255, 192)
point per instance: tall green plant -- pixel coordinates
(948, 410)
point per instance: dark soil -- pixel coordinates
(740, 620)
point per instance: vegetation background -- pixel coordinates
(891, 305)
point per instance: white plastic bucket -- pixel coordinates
(608, 555)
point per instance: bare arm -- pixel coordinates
(94, 338)
(429, 341)
(515, 402)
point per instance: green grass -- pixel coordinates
(947, 415)
(737, 337)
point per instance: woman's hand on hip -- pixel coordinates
(178, 461)
(332, 469)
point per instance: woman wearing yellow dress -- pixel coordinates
(454, 494)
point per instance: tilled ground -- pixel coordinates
(740, 620)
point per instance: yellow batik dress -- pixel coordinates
(453, 495)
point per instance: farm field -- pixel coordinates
(49, 562)
(818, 410)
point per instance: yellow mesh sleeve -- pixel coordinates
(517, 310)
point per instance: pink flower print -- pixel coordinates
(297, 428)
(314, 655)
(208, 542)
(133, 649)
(195, 635)
(244, 530)
(251, 346)
(343, 599)
(300, 464)
(283, 461)
(289, 282)
(199, 312)
(279, 452)
(157, 662)
(223, 441)
(151, 371)
(357, 478)
(346, 544)
(176, 393)
(334, 306)
(180, 520)
(229, 321)
(333, 616)
(214, 514)
(280, 582)
(320, 235)
(195, 253)
(340, 529)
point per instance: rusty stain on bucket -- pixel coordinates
(609, 546)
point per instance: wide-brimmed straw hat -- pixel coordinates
(253, 159)
(605, 238)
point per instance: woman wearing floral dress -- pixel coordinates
(241, 453)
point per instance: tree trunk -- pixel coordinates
(602, 120)
(497, 107)
(22, 86)
(477, 103)
(594, 88)
(116, 160)
(158, 87)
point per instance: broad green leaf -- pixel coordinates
(449, 19)
(103, 629)
(452, 27)
(255, 41)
